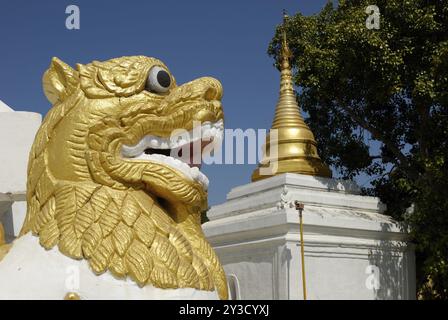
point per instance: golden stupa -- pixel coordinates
(296, 152)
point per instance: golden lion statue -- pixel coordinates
(102, 187)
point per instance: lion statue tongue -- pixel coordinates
(112, 213)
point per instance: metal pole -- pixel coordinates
(300, 206)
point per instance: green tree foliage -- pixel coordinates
(377, 101)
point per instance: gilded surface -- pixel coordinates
(72, 296)
(2, 234)
(295, 143)
(135, 218)
(4, 249)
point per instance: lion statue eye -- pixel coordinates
(158, 81)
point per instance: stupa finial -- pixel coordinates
(297, 152)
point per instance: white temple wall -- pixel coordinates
(17, 132)
(271, 269)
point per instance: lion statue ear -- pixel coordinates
(59, 81)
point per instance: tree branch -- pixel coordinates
(378, 136)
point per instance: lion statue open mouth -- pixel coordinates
(103, 184)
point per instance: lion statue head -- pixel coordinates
(103, 184)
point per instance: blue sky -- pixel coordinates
(224, 39)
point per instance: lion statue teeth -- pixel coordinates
(103, 187)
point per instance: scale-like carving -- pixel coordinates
(128, 215)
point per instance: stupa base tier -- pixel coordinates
(352, 250)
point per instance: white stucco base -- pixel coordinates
(29, 271)
(17, 131)
(352, 251)
(12, 214)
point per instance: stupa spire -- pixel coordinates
(296, 146)
(287, 113)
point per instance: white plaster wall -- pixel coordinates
(29, 271)
(17, 131)
(4, 107)
(333, 272)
